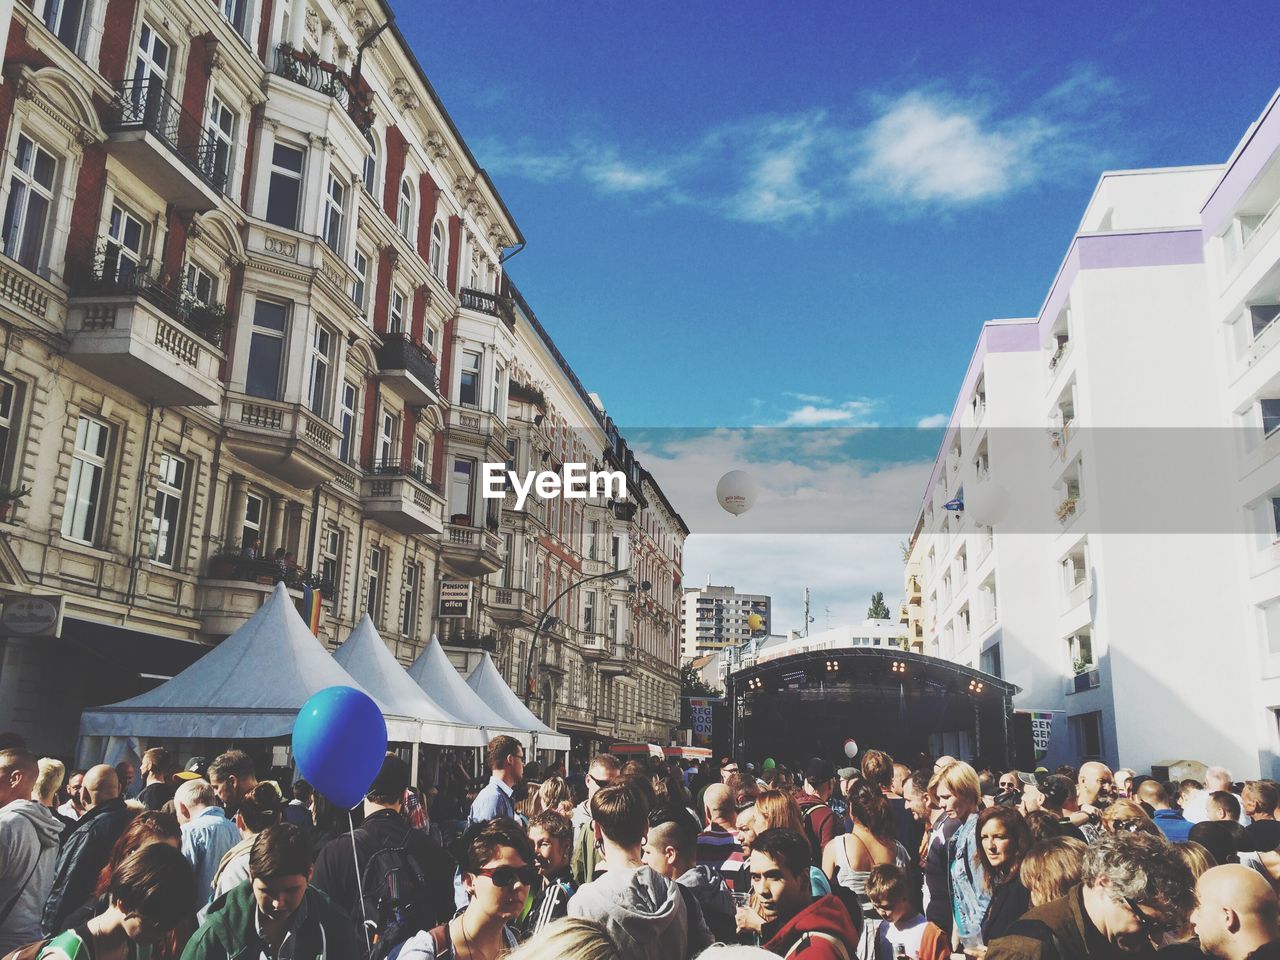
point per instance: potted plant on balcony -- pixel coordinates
(206, 320)
(9, 496)
(1066, 509)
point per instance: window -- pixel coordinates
(989, 661)
(8, 425)
(166, 515)
(201, 284)
(404, 213)
(429, 337)
(347, 421)
(85, 493)
(513, 451)
(236, 12)
(506, 575)
(266, 350)
(589, 611)
(369, 173)
(285, 187)
(26, 215)
(255, 508)
(1261, 316)
(65, 18)
(460, 489)
(396, 323)
(613, 622)
(499, 408)
(616, 551)
(359, 288)
(373, 584)
(591, 539)
(1086, 735)
(469, 386)
(335, 200)
(1080, 647)
(421, 458)
(150, 69)
(409, 617)
(122, 255)
(1270, 415)
(330, 551)
(437, 250)
(221, 137)
(321, 350)
(387, 437)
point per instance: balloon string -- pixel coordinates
(355, 859)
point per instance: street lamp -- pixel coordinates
(546, 619)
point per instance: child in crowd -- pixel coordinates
(902, 925)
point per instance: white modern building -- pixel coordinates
(1110, 589)
(716, 617)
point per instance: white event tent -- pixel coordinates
(436, 675)
(366, 657)
(488, 684)
(250, 686)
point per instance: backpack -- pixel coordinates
(804, 939)
(396, 902)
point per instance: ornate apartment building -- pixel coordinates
(252, 300)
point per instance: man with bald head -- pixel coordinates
(86, 848)
(1237, 916)
(1095, 786)
(1171, 822)
(29, 834)
(718, 843)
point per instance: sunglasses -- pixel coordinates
(1007, 785)
(506, 876)
(1132, 826)
(1152, 929)
(597, 781)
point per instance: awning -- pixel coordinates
(146, 654)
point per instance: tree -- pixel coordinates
(878, 610)
(692, 684)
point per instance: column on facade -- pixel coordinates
(274, 525)
(297, 23)
(239, 501)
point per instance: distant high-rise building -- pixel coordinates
(719, 617)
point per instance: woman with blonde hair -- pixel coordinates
(1128, 815)
(569, 938)
(1052, 867)
(960, 797)
(554, 794)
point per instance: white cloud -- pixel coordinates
(916, 151)
(928, 149)
(806, 397)
(933, 422)
(851, 413)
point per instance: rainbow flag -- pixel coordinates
(309, 608)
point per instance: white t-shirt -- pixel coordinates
(889, 936)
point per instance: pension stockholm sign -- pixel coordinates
(574, 482)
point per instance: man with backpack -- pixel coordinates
(821, 824)
(795, 923)
(407, 879)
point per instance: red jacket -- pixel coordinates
(825, 915)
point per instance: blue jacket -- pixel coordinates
(1173, 825)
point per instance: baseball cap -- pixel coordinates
(186, 775)
(1056, 788)
(1027, 779)
(819, 770)
(197, 765)
(848, 773)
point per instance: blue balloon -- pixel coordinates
(339, 741)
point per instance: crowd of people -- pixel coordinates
(643, 860)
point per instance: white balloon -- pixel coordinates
(987, 503)
(850, 749)
(737, 492)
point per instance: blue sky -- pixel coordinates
(800, 214)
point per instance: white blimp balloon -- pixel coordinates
(987, 503)
(737, 492)
(850, 749)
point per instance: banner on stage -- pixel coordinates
(700, 721)
(455, 598)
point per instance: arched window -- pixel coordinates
(437, 249)
(404, 215)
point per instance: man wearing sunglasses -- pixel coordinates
(587, 851)
(1135, 889)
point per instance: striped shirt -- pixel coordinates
(719, 849)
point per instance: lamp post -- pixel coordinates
(546, 617)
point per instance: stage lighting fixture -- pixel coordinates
(899, 667)
(975, 687)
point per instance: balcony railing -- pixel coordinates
(400, 468)
(478, 301)
(398, 352)
(308, 70)
(236, 566)
(146, 105)
(110, 274)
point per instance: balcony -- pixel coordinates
(285, 439)
(489, 304)
(511, 605)
(308, 70)
(408, 370)
(399, 496)
(165, 146)
(134, 333)
(234, 587)
(471, 551)
(1085, 679)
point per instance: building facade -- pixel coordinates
(1110, 592)
(256, 325)
(716, 617)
